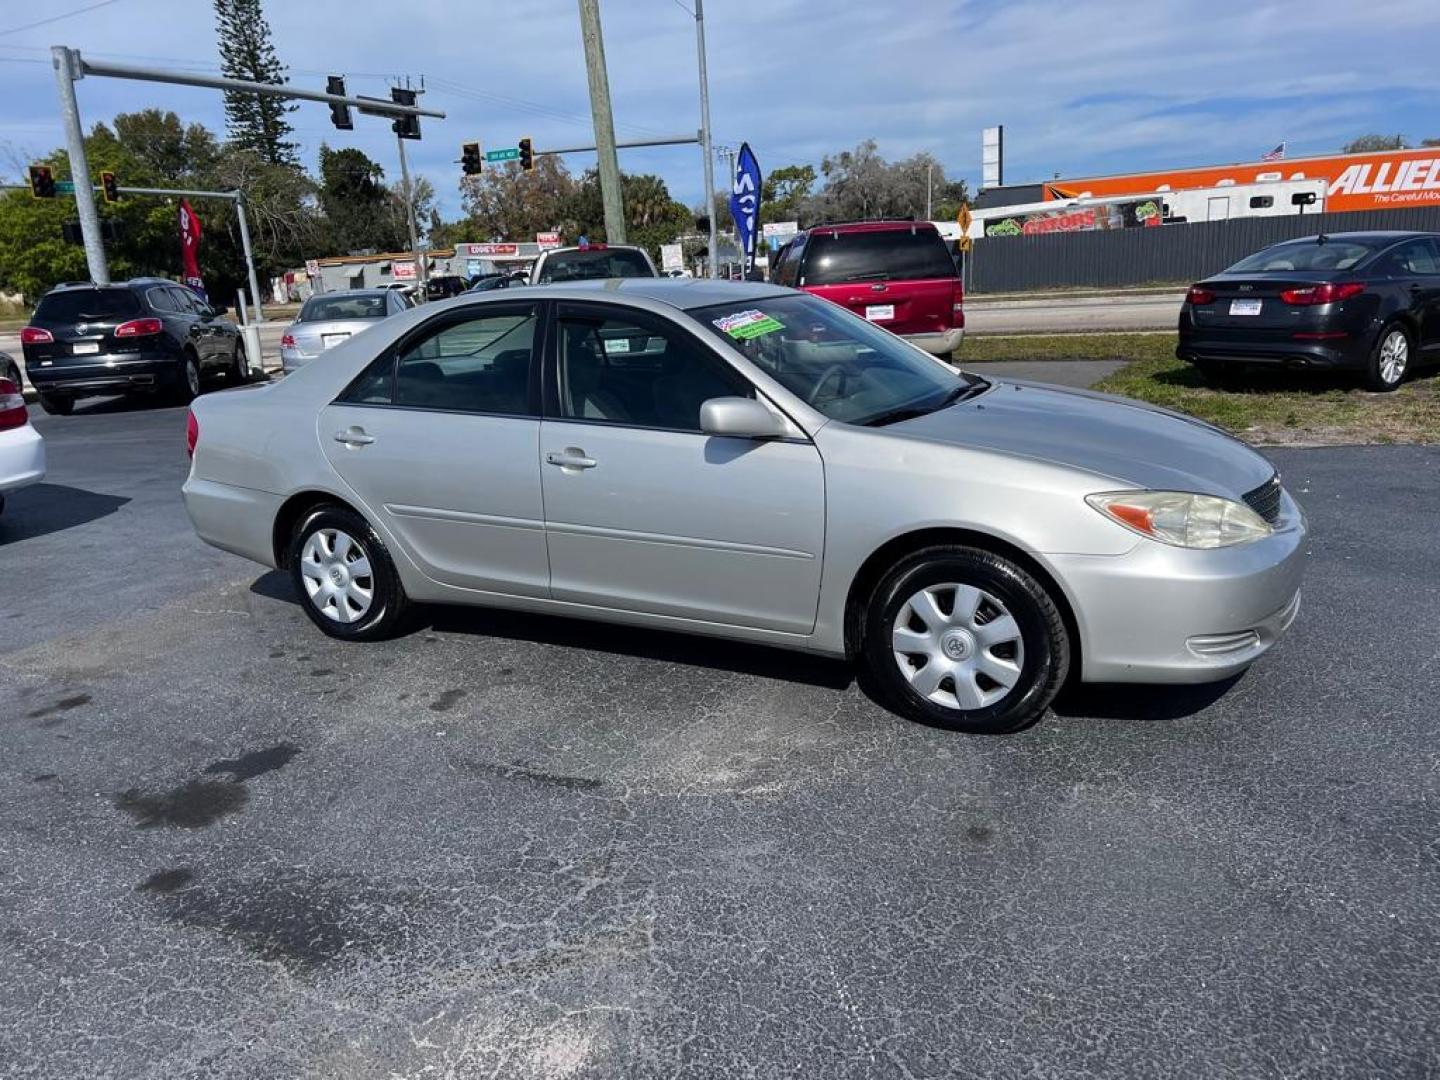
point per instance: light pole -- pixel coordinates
(705, 148)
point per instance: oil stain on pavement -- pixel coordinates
(195, 804)
(256, 763)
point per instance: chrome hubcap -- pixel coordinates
(1394, 355)
(192, 377)
(958, 646)
(337, 576)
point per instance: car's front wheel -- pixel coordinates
(962, 638)
(345, 576)
(1389, 360)
(240, 365)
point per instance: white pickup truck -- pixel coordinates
(591, 262)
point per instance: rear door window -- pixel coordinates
(87, 305)
(161, 300)
(833, 257)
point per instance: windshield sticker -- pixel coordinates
(749, 324)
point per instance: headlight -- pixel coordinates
(1182, 518)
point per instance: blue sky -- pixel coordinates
(1082, 87)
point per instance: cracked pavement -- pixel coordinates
(516, 847)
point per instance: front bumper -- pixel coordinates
(941, 344)
(22, 458)
(115, 374)
(1162, 614)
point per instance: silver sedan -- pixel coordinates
(327, 319)
(749, 462)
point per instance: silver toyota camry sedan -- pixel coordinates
(750, 462)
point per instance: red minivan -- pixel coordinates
(897, 274)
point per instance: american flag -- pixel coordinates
(1274, 155)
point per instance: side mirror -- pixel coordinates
(740, 418)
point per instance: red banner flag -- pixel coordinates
(190, 247)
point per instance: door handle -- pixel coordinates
(570, 458)
(354, 437)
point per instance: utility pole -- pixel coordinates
(67, 70)
(705, 148)
(603, 120)
(422, 274)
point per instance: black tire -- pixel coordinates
(388, 602)
(1213, 372)
(186, 388)
(239, 365)
(1044, 653)
(56, 406)
(1375, 368)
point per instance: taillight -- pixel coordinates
(1199, 295)
(1322, 294)
(288, 341)
(36, 335)
(12, 406)
(957, 305)
(139, 328)
(192, 433)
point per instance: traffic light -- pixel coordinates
(339, 114)
(109, 187)
(408, 126)
(527, 154)
(471, 163)
(42, 182)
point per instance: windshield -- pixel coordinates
(843, 366)
(1304, 255)
(86, 305)
(875, 255)
(594, 263)
(332, 308)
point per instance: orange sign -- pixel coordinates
(1382, 180)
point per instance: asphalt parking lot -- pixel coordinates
(522, 847)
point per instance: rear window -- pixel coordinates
(330, 308)
(86, 305)
(1308, 255)
(882, 255)
(595, 263)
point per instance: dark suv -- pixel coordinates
(898, 274)
(148, 334)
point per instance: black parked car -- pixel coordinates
(444, 286)
(148, 334)
(1363, 301)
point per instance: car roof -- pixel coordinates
(872, 226)
(681, 293)
(1372, 236)
(347, 292)
(602, 246)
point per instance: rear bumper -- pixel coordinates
(22, 458)
(290, 359)
(107, 374)
(1352, 351)
(234, 519)
(941, 344)
(1162, 614)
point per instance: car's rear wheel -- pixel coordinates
(1389, 360)
(961, 638)
(345, 576)
(1214, 372)
(240, 365)
(187, 380)
(56, 405)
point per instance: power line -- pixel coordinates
(56, 18)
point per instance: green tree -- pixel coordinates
(255, 122)
(785, 192)
(357, 206)
(652, 217)
(169, 151)
(507, 203)
(1367, 143)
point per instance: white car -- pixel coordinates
(592, 262)
(22, 450)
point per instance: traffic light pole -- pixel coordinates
(67, 70)
(422, 275)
